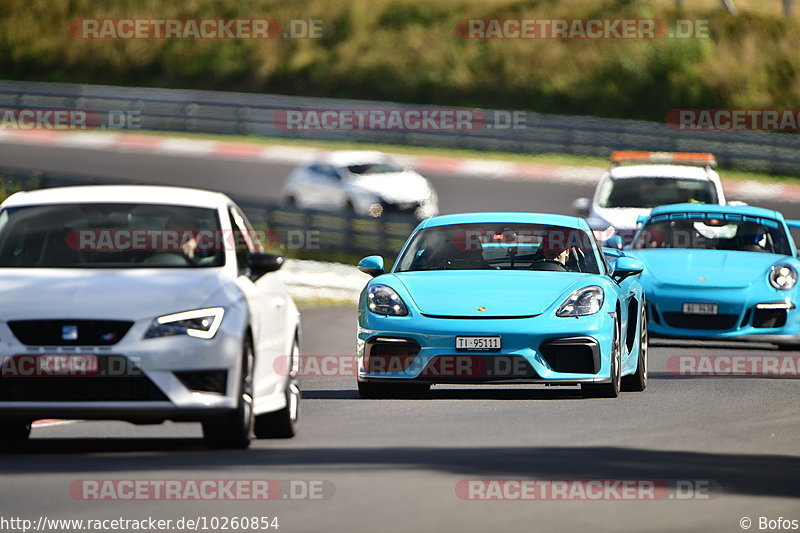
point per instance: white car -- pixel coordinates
(367, 183)
(626, 193)
(143, 304)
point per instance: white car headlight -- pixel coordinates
(201, 323)
(783, 277)
(383, 300)
(585, 301)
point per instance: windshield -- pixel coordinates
(647, 192)
(110, 235)
(374, 168)
(714, 232)
(498, 246)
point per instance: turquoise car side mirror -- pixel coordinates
(641, 219)
(626, 267)
(372, 265)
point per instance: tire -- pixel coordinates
(637, 382)
(281, 424)
(232, 430)
(608, 390)
(392, 390)
(14, 432)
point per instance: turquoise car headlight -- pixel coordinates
(201, 323)
(783, 277)
(582, 302)
(383, 300)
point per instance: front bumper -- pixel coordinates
(139, 380)
(540, 349)
(742, 315)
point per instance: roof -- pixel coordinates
(660, 171)
(511, 217)
(713, 208)
(354, 157)
(135, 194)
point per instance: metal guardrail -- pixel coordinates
(296, 229)
(254, 114)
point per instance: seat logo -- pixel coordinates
(69, 333)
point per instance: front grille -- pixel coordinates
(116, 379)
(388, 354)
(476, 367)
(399, 208)
(684, 321)
(69, 332)
(213, 381)
(769, 318)
(578, 355)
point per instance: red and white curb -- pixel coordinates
(750, 191)
(51, 422)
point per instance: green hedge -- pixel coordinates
(407, 50)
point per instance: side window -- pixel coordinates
(240, 240)
(329, 171)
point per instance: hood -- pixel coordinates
(717, 268)
(406, 186)
(502, 293)
(115, 294)
(619, 218)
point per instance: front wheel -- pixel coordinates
(637, 381)
(232, 430)
(282, 424)
(611, 389)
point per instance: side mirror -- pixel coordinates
(626, 267)
(641, 219)
(581, 206)
(372, 265)
(615, 241)
(260, 263)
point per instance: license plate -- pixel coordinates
(479, 344)
(47, 365)
(700, 309)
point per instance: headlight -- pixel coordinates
(783, 277)
(586, 301)
(202, 323)
(384, 301)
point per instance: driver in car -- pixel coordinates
(560, 251)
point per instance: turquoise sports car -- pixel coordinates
(726, 272)
(502, 298)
